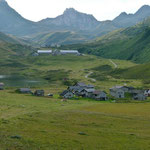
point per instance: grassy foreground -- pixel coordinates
(40, 123)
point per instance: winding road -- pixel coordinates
(87, 76)
(115, 65)
(94, 80)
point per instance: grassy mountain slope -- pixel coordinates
(136, 72)
(66, 37)
(12, 39)
(10, 47)
(130, 44)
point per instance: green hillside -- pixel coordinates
(64, 37)
(12, 39)
(130, 44)
(137, 72)
(12, 47)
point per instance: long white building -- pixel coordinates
(44, 52)
(75, 52)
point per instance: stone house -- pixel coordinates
(139, 95)
(24, 91)
(147, 93)
(126, 89)
(2, 86)
(117, 93)
(81, 84)
(99, 95)
(87, 92)
(80, 92)
(39, 93)
(67, 94)
(74, 89)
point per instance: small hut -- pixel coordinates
(99, 95)
(139, 95)
(67, 94)
(39, 93)
(117, 92)
(24, 91)
(1, 86)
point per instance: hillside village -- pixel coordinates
(83, 90)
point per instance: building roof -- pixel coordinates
(69, 51)
(73, 88)
(89, 90)
(98, 92)
(81, 84)
(138, 91)
(115, 89)
(90, 86)
(44, 51)
(64, 92)
(119, 87)
(80, 89)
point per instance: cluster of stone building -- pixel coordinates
(122, 91)
(88, 91)
(119, 92)
(82, 90)
(56, 52)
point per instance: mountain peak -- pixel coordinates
(123, 14)
(143, 9)
(2, 1)
(70, 11)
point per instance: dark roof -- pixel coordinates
(129, 87)
(90, 86)
(81, 84)
(75, 88)
(64, 93)
(80, 89)
(89, 90)
(115, 89)
(138, 91)
(98, 92)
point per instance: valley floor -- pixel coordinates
(41, 123)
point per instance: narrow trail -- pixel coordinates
(115, 65)
(87, 76)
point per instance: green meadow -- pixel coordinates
(42, 123)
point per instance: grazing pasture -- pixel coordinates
(39, 123)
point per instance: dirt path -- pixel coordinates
(115, 65)
(87, 76)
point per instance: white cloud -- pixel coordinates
(101, 9)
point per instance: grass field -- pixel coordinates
(52, 70)
(41, 123)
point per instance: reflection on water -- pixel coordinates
(20, 81)
(2, 76)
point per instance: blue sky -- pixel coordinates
(101, 9)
